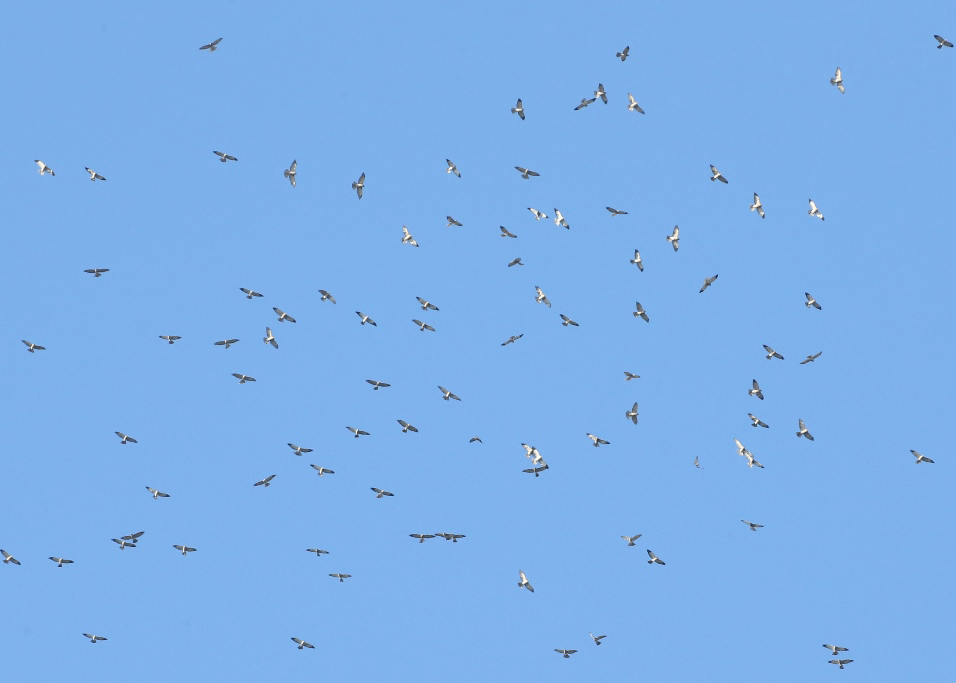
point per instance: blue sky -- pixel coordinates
(854, 546)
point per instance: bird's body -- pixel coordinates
(526, 172)
(44, 169)
(452, 168)
(93, 638)
(265, 482)
(840, 662)
(812, 302)
(755, 391)
(290, 172)
(376, 385)
(615, 212)
(447, 395)
(125, 438)
(654, 558)
(452, 221)
(630, 539)
(225, 343)
(633, 105)
(450, 537)
(523, 581)
(94, 176)
(515, 262)
(379, 493)
(365, 319)
(359, 186)
(407, 237)
(157, 493)
(507, 233)
(512, 339)
(223, 157)
(598, 441)
(939, 39)
(423, 326)
(752, 525)
(97, 272)
(560, 220)
(426, 305)
(814, 211)
(60, 561)
(637, 260)
(600, 93)
(243, 378)
(8, 558)
(757, 206)
(302, 644)
(270, 339)
(211, 46)
(540, 298)
(596, 639)
(326, 296)
(640, 312)
(920, 457)
(538, 215)
(623, 53)
(566, 653)
(811, 358)
(518, 109)
(584, 102)
(771, 353)
(717, 175)
(184, 549)
(283, 316)
(407, 427)
(628, 376)
(757, 422)
(31, 347)
(804, 431)
(341, 577)
(123, 543)
(835, 649)
(674, 238)
(321, 470)
(708, 281)
(567, 321)
(249, 293)
(421, 537)
(357, 432)
(632, 413)
(837, 80)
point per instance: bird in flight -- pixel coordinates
(97, 272)
(674, 238)
(584, 102)
(211, 46)
(757, 206)
(559, 219)
(451, 222)
(451, 537)
(290, 172)
(524, 583)
(615, 212)
(447, 394)
(836, 648)
(317, 551)
(600, 93)
(426, 305)
(811, 358)
(475, 438)
(407, 427)
(756, 391)
(283, 316)
(270, 339)
(326, 296)
(837, 80)
(757, 422)
(265, 482)
(421, 537)
(133, 538)
(538, 215)
(407, 237)
(44, 168)
(184, 549)
(357, 432)
(697, 461)
(125, 438)
(753, 527)
(632, 413)
(61, 561)
(379, 492)
(526, 172)
(224, 157)
(812, 302)
(94, 176)
(640, 312)
(157, 493)
(814, 211)
(249, 293)
(567, 653)
(633, 105)
(423, 326)
(518, 109)
(939, 39)
(771, 353)
(124, 543)
(93, 638)
(31, 347)
(341, 577)
(301, 643)
(596, 639)
(567, 320)
(359, 186)
(840, 662)
(452, 168)
(506, 233)
(226, 343)
(512, 339)
(243, 378)
(717, 175)
(628, 376)
(540, 298)
(630, 539)
(365, 319)
(515, 262)
(376, 384)
(708, 281)
(751, 461)
(321, 470)
(920, 457)
(623, 53)
(637, 260)
(536, 470)
(804, 431)
(598, 440)
(654, 558)
(8, 558)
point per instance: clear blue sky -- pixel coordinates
(855, 548)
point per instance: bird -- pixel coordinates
(526, 172)
(756, 391)
(512, 339)
(301, 643)
(920, 457)
(654, 558)
(365, 319)
(357, 432)
(633, 105)
(697, 461)
(741, 450)
(812, 302)
(632, 413)
(426, 305)
(637, 260)
(225, 342)
(584, 102)
(407, 237)
(265, 482)
(708, 281)
(598, 440)
(630, 539)
(452, 221)
(674, 238)
(640, 312)
(628, 376)
(475, 438)
(518, 109)
(506, 233)
(540, 298)
(600, 93)
(359, 185)
(567, 653)
(421, 537)
(341, 577)
(596, 639)
(623, 53)
(93, 638)
(97, 272)
(211, 46)
(94, 176)
(836, 648)
(559, 219)
(538, 215)
(124, 543)
(757, 206)
(515, 262)
(290, 172)
(804, 431)
(811, 358)
(326, 296)
(536, 470)
(224, 157)
(133, 538)
(283, 316)
(270, 339)
(814, 211)
(61, 561)
(184, 549)
(249, 293)
(318, 552)
(447, 394)
(423, 326)
(757, 422)
(379, 492)
(837, 80)
(8, 558)
(125, 438)
(615, 212)
(567, 320)
(939, 39)
(451, 537)
(157, 493)
(533, 453)
(31, 347)
(751, 461)
(452, 168)
(376, 384)
(243, 378)
(753, 527)
(44, 168)
(717, 175)
(407, 427)
(771, 353)
(840, 662)
(524, 583)
(321, 470)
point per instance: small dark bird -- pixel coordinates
(97, 272)
(224, 157)
(211, 46)
(171, 338)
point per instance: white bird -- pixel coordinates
(94, 176)
(751, 461)
(615, 212)
(741, 449)
(753, 527)
(837, 80)
(326, 296)
(423, 326)
(447, 394)
(265, 482)
(452, 168)
(640, 312)
(321, 470)
(757, 206)
(211, 46)
(942, 42)
(283, 316)
(290, 172)
(559, 219)
(812, 302)
(708, 281)
(598, 440)
(600, 93)
(538, 215)
(630, 539)
(632, 413)
(506, 233)
(540, 298)
(771, 353)
(623, 53)
(359, 186)
(426, 305)
(243, 378)
(270, 339)
(407, 427)
(379, 492)
(124, 543)
(157, 493)
(184, 549)
(654, 558)
(299, 450)
(301, 643)
(674, 238)
(376, 384)
(756, 391)
(171, 338)
(526, 172)
(452, 221)
(840, 662)
(44, 168)
(524, 583)
(637, 260)
(365, 319)
(814, 211)
(407, 237)
(249, 293)
(125, 438)
(357, 432)
(421, 537)
(567, 320)
(223, 157)
(518, 109)
(717, 175)
(61, 561)
(94, 638)
(920, 457)
(757, 422)
(8, 558)
(804, 431)
(836, 648)
(31, 347)
(811, 358)
(633, 105)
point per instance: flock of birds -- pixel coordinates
(538, 463)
